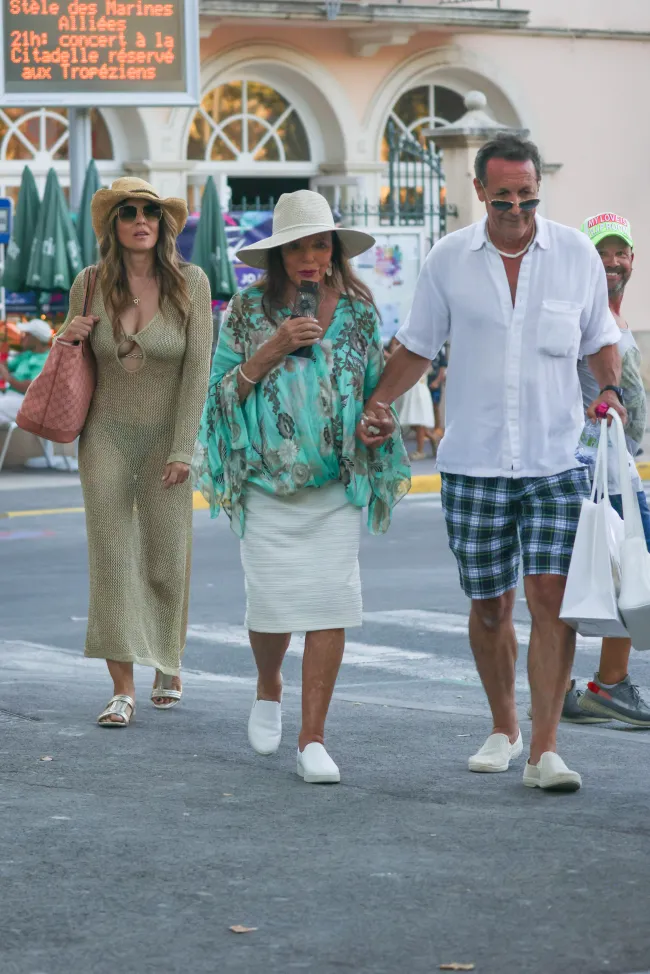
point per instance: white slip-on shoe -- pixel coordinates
(316, 766)
(496, 754)
(551, 774)
(265, 726)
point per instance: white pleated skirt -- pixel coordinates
(301, 560)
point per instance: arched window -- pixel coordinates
(247, 122)
(39, 138)
(424, 107)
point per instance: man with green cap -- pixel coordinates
(611, 695)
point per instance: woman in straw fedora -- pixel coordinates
(150, 328)
(277, 452)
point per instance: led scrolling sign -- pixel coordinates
(104, 52)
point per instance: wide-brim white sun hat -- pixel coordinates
(298, 215)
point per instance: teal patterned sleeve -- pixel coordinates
(220, 463)
(389, 469)
(635, 399)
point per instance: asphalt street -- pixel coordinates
(138, 850)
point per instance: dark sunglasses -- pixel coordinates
(128, 212)
(504, 205)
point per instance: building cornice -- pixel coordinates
(360, 12)
(365, 13)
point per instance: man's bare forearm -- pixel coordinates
(606, 366)
(402, 371)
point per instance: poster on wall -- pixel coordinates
(391, 269)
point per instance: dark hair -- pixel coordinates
(275, 281)
(507, 145)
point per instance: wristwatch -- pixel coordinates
(617, 389)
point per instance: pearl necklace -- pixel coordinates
(511, 256)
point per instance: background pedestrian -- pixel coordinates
(611, 695)
(21, 370)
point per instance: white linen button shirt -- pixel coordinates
(513, 401)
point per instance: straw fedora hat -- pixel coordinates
(126, 188)
(301, 214)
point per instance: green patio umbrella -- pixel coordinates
(210, 250)
(84, 226)
(55, 259)
(24, 228)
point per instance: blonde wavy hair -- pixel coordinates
(169, 266)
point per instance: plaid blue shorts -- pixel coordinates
(492, 521)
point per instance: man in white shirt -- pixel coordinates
(520, 299)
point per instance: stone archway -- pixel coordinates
(315, 93)
(453, 68)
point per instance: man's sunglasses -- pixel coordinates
(128, 212)
(504, 205)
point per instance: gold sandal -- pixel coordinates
(118, 705)
(163, 690)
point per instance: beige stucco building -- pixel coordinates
(299, 93)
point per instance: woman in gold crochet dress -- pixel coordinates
(150, 328)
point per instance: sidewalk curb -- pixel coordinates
(427, 483)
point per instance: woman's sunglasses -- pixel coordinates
(504, 205)
(128, 212)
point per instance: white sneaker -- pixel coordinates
(551, 774)
(265, 726)
(496, 754)
(316, 766)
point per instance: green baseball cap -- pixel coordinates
(607, 225)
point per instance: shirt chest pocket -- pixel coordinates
(558, 328)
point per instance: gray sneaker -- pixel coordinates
(572, 712)
(620, 702)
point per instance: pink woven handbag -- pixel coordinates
(57, 401)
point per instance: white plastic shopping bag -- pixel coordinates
(591, 594)
(634, 596)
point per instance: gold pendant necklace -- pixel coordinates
(136, 301)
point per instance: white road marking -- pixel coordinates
(391, 659)
(451, 623)
(38, 661)
(421, 500)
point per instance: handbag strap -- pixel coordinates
(90, 280)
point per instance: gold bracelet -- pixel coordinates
(245, 377)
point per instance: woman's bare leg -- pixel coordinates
(122, 676)
(269, 649)
(320, 667)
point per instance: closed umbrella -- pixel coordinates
(210, 249)
(85, 232)
(24, 228)
(55, 259)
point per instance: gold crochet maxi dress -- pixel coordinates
(139, 533)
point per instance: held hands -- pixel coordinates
(376, 424)
(293, 333)
(175, 473)
(79, 328)
(611, 400)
